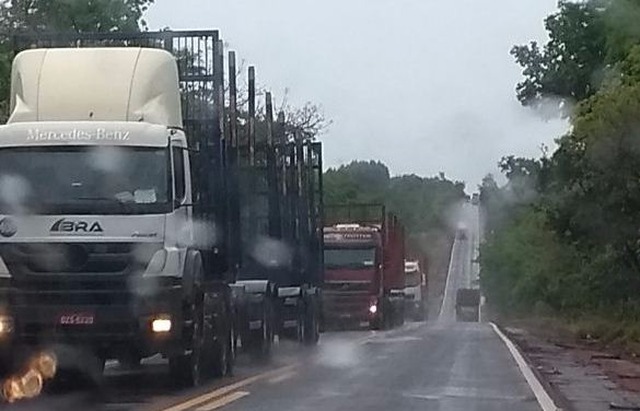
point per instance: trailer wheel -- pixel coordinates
(260, 341)
(311, 326)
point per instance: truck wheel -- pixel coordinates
(130, 361)
(420, 313)
(234, 344)
(375, 324)
(401, 316)
(187, 369)
(86, 374)
(222, 357)
(260, 341)
(311, 329)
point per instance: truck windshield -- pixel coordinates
(349, 257)
(87, 180)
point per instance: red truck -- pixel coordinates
(364, 278)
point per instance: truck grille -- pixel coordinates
(336, 303)
(74, 273)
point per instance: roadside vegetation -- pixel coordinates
(563, 234)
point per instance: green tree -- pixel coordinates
(62, 16)
(422, 204)
(563, 231)
(569, 67)
(75, 16)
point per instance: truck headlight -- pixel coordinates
(373, 308)
(161, 324)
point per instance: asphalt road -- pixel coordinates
(439, 365)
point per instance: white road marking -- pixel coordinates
(536, 386)
(222, 401)
(454, 392)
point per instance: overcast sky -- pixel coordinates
(422, 85)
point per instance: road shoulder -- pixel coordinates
(579, 378)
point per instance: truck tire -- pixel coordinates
(234, 344)
(187, 370)
(260, 340)
(86, 374)
(222, 356)
(311, 330)
(130, 361)
(420, 313)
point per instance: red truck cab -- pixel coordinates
(364, 269)
(352, 260)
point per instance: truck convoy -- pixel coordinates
(142, 212)
(364, 267)
(415, 290)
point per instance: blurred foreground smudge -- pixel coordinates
(28, 383)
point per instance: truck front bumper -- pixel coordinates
(349, 309)
(109, 330)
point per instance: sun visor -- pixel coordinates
(96, 84)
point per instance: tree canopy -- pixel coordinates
(422, 204)
(587, 42)
(76, 16)
(565, 230)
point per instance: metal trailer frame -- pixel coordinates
(282, 198)
(359, 213)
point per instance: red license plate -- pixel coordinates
(76, 319)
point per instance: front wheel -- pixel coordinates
(222, 356)
(187, 369)
(420, 313)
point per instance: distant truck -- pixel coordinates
(468, 305)
(364, 267)
(415, 290)
(462, 232)
(475, 199)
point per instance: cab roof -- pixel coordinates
(96, 84)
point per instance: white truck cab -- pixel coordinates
(414, 284)
(96, 227)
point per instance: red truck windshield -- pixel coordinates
(349, 257)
